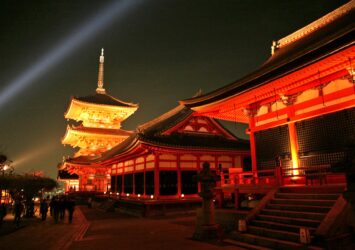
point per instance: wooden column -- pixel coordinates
(290, 100)
(133, 176)
(144, 172)
(156, 176)
(198, 162)
(123, 174)
(252, 143)
(178, 176)
(294, 147)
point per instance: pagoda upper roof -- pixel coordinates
(105, 99)
(326, 36)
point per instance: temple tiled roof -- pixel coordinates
(151, 133)
(321, 38)
(105, 99)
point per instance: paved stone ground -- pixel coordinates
(102, 230)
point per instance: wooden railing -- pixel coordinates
(271, 176)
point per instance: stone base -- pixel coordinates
(207, 232)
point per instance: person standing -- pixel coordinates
(3, 212)
(55, 205)
(43, 209)
(70, 204)
(18, 209)
(61, 207)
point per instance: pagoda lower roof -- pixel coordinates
(105, 99)
(103, 131)
(80, 160)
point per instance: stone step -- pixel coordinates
(303, 202)
(288, 220)
(307, 208)
(279, 226)
(269, 242)
(338, 189)
(242, 245)
(307, 196)
(293, 214)
(276, 234)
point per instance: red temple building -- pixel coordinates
(300, 108)
(299, 104)
(162, 157)
(98, 120)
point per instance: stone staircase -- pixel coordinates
(277, 225)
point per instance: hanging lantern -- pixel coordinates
(242, 225)
(305, 237)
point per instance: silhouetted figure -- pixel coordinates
(61, 207)
(3, 212)
(51, 206)
(43, 209)
(70, 204)
(30, 208)
(18, 209)
(89, 202)
(55, 206)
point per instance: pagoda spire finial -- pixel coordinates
(100, 82)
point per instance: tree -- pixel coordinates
(26, 187)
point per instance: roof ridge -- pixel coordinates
(160, 118)
(317, 24)
(119, 100)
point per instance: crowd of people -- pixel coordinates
(57, 206)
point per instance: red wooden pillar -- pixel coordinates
(156, 176)
(252, 143)
(116, 177)
(123, 174)
(198, 170)
(134, 179)
(293, 138)
(144, 172)
(294, 147)
(178, 176)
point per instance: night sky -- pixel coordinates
(156, 53)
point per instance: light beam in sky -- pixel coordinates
(111, 13)
(25, 158)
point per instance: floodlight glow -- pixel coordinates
(107, 15)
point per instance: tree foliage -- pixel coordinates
(28, 185)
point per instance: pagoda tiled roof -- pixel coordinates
(321, 38)
(103, 131)
(105, 99)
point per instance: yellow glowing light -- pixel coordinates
(294, 155)
(152, 196)
(139, 195)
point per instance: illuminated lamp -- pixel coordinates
(110, 192)
(182, 195)
(117, 194)
(152, 196)
(127, 194)
(139, 195)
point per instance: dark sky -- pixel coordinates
(156, 53)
